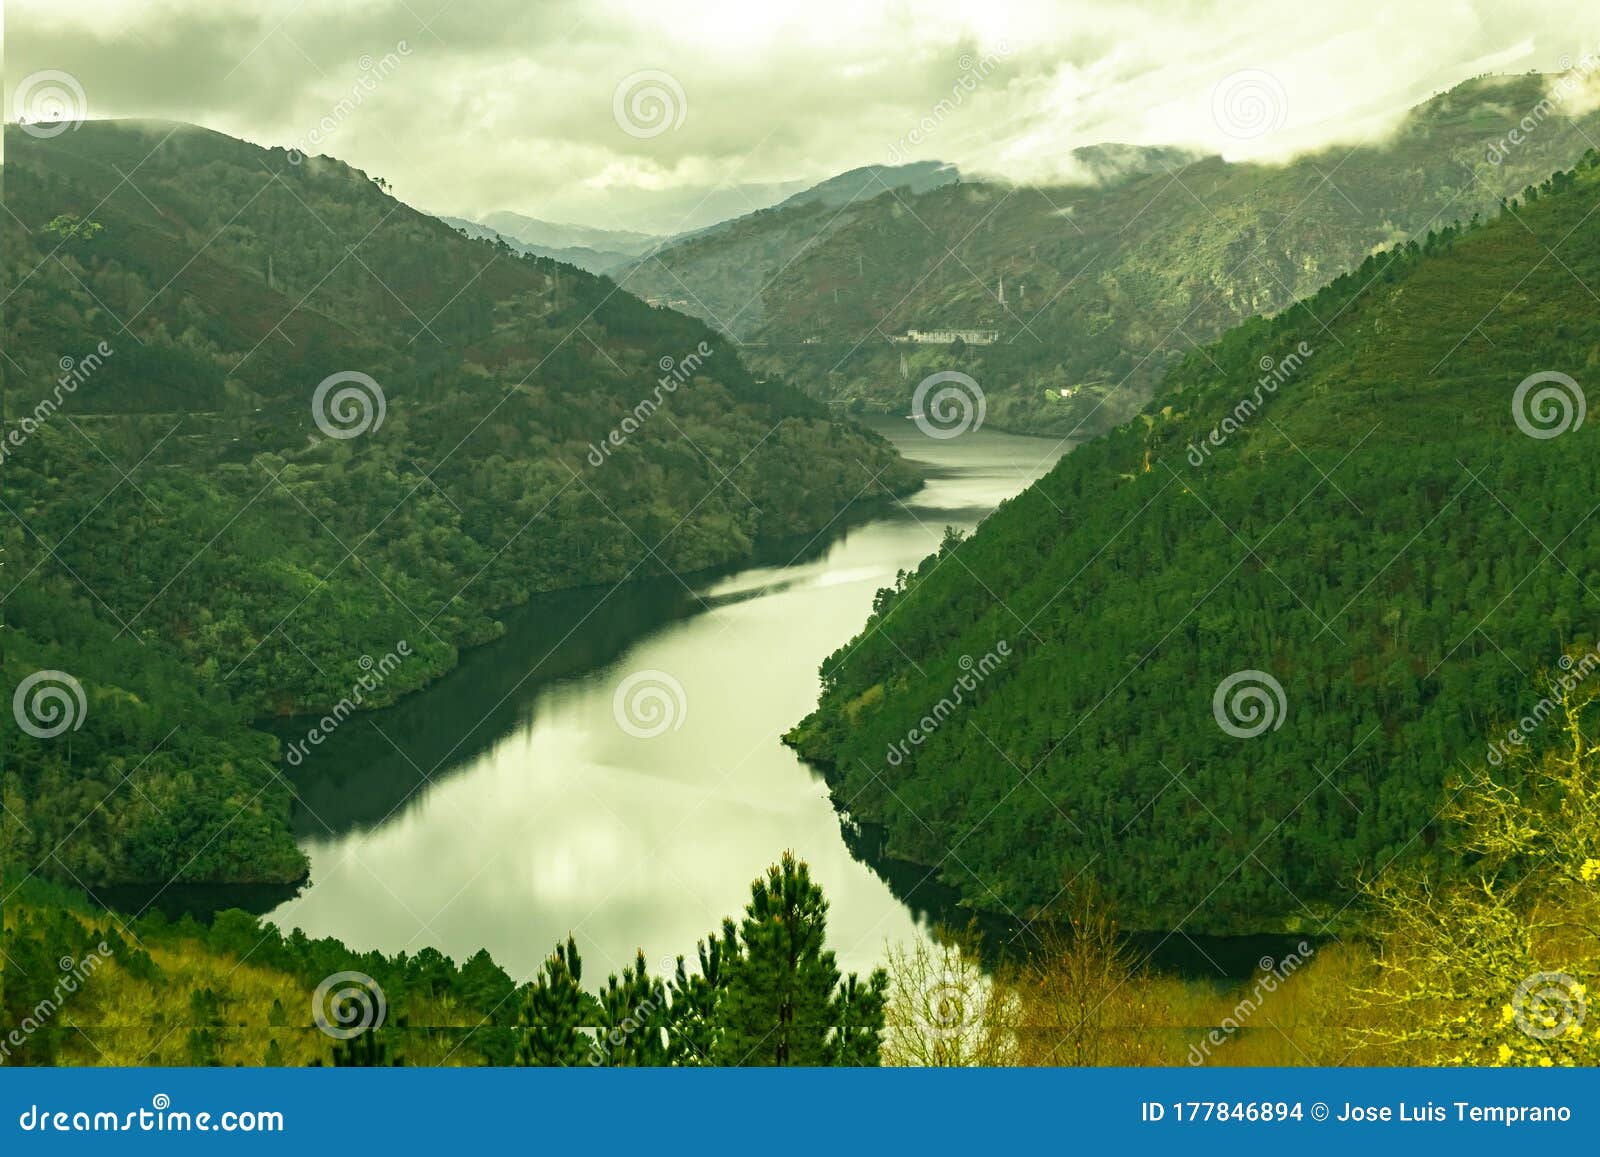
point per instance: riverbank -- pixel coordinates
(520, 783)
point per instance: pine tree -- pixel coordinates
(692, 1028)
(858, 1017)
(633, 1012)
(781, 1003)
(555, 1011)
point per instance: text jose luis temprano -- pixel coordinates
(1350, 1113)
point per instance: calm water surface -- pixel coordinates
(506, 807)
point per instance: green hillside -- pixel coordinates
(198, 542)
(1105, 285)
(1372, 529)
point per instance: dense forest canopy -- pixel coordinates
(276, 441)
(1254, 631)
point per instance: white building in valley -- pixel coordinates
(950, 336)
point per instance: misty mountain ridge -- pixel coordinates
(601, 250)
(1094, 289)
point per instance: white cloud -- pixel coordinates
(508, 105)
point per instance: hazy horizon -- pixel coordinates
(706, 104)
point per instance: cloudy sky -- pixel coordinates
(621, 114)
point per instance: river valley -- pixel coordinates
(612, 767)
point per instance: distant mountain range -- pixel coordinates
(616, 250)
(1094, 288)
(526, 241)
(532, 231)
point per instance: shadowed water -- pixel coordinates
(506, 806)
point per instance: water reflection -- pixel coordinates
(505, 807)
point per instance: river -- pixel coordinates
(520, 799)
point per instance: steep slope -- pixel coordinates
(718, 273)
(1104, 285)
(1226, 659)
(277, 441)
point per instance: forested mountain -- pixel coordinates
(275, 440)
(718, 273)
(1104, 285)
(1225, 660)
(616, 251)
